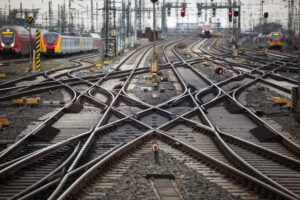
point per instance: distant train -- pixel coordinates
(205, 30)
(54, 43)
(14, 41)
(272, 41)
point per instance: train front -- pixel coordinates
(51, 43)
(206, 30)
(8, 44)
(276, 41)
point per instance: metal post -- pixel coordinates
(92, 17)
(206, 11)
(154, 36)
(265, 32)
(239, 23)
(163, 18)
(30, 56)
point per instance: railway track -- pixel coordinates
(188, 126)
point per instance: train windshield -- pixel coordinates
(50, 38)
(206, 27)
(7, 37)
(276, 36)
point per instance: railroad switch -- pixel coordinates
(54, 103)
(241, 59)
(278, 100)
(3, 122)
(18, 101)
(2, 75)
(28, 101)
(289, 105)
(206, 64)
(31, 101)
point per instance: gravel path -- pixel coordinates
(20, 117)
(190, 184)
(259, 98)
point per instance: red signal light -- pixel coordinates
(182, 11)
(230, 13)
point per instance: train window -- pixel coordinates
(50, 38)
(206, 27)
(276, 37)
(7, 37)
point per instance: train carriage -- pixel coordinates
(96, 41)
(54, 43)
(272, 41)
(14, 41)
(205, 30)
(68, 43)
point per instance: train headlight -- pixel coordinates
(2, 44)
(13, 44)
(210, 31)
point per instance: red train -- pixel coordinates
(205, 30)
(14, 41)
(272, 41)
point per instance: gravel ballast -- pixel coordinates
(190, 184)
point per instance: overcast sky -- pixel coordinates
(277, 9)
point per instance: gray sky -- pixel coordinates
(277, 9)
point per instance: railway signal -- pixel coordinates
(266, 15)
(154, 62)
(199, 13)
(182, 12)
(236, 13)
(230, 15)
(29, 21)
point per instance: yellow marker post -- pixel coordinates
(33, 61)
(4, 122)
(294, 97)
(38, 50)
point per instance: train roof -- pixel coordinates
(95, 35)
(20, 29)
